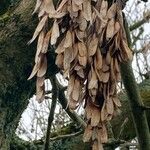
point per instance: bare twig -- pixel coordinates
(60, 137)
(138, 66)
(140, 22)
(128, 144)
(135, 39)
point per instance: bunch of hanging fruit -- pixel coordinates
(90, 43)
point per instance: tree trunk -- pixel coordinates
(135, 101)
(15, 67)
(16, 61)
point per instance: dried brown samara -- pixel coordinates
(90, 44)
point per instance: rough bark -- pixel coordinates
(15, 67)
(16, 61)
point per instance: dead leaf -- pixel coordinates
(105, 77)
(112, 11)
(78, 2)
(70, 85)
(103, 134)
(76, 90)
(108, 58)
(80, 35)
(82, 23)
(40, 93)
(116, 65)
(93, 92)
(109, 106)
(102, 18)
(68, 40)
(43, 67)
(40, 81)
(105, 67)
(112, 87)
(59, 60)
(82, 49)
(82, 60)
(95, 146)
(116, 101)
(34, 71)
(57, 15)
(60, 48)
(93, 81)
(39, 28)
(46, 42)
(110, 29)
(87, 12)
(104, 113)
(37, 6)
(77, 67)
(98, 59)
(95, 118)
(87, 133)
(39, 45)
(117, 27)
(92, 46)
(80, 72)
(75, 51)
(67, 58)
(63, 2)
(49, 7)
(75, 7)
(88, 110)
(73, 104)
(104, 7)
(55, 33)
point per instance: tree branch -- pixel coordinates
(139, 116)
(135, 39)
(128, 144)
(52, 111)
(140, 23)
(61, 137)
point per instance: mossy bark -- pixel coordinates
(16, 61)
(15, 67)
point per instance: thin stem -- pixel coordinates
(139, 23)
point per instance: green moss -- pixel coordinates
(4, 4)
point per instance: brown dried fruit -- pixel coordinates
(87, 133)
(39, 28)
(55, 33)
